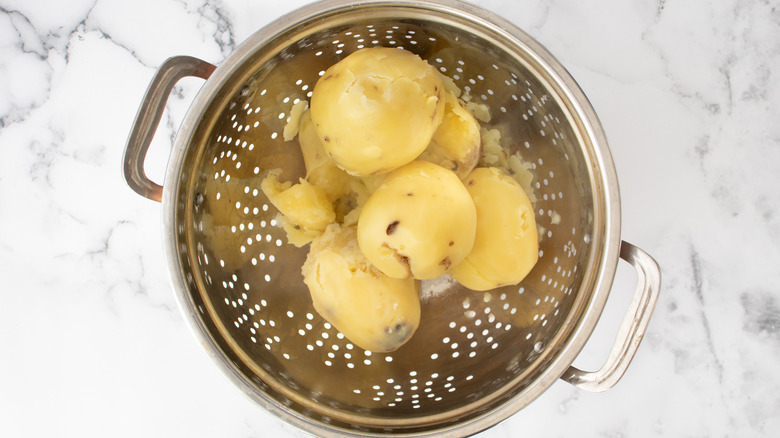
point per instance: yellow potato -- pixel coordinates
(305, 208)
(377, 109)
(456, 144)
(347, 193)
(373, 311)
(321, 171)
(418, 223)
(506, 246)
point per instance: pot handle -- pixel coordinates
(148, 118)
(632, 329)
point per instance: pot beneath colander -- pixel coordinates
(477, 357)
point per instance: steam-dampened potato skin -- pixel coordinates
(377, 109)
(373, 311)
(418, 223)
(506, 246)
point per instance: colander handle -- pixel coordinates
(148, 118)
(632, 329)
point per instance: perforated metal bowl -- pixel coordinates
(477, 357)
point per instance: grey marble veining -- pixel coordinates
(92, 339)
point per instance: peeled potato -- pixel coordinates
(321, 171)
(305, 208)
(506, 246)
(418, 223)
(456, 143)
(373, 311)
(377, 109)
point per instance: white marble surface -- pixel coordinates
(93, 344)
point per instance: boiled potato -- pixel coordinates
(305, 208)
(377, 109)
(321, 171)
(348, 193)
(373, 311)
(418, 223)
(506, 246)
(456, 143)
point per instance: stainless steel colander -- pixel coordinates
(477, 357)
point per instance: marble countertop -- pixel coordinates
(92, 340)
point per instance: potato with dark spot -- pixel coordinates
(418, 223)
(506, 246)
(372, 310)
(377, 109)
